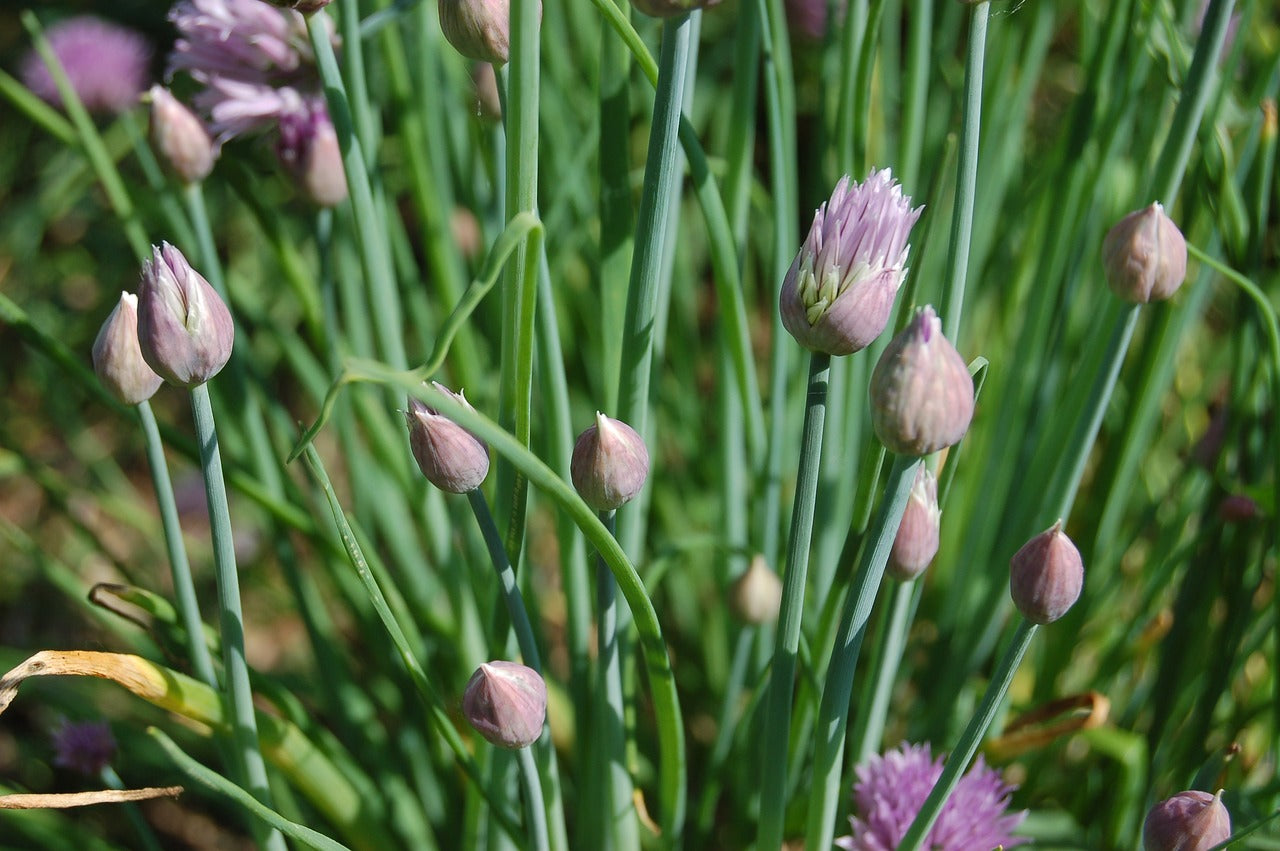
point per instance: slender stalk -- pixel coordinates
(620, 828)
(146, 836)
(869, 725)
(375, 253)
(243, 722)
(833, 714)
(967, 174)
(507, 580)
(519, 292)
(534, 807)
(777, 725)
(184, 591)
(964, 750)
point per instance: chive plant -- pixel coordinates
(604, 209)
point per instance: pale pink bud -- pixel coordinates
(479, 29)
(452, 458)
(921, 391)
(1189, 821)
(756, 595)
(179, 137)
(309, 151)
(1238, 508)
(118, 360)
(1046, 576)
(1145, 256)
(507, 704)
(184, 328)
(610, 464)
(839, 291)
(917, 541)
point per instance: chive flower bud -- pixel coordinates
(507, 703)
(610, 464)
(118, 360)
(756, 596)
(184, 328)
(452, 458)
(918, 535)
(309, 151)
(1145, 256)
(179, 137)
(1046, 576)
(1189, 821)
(479, 29)
(921, 391)
(839, 291)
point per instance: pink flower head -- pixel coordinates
(890, 790)
(839, 292)
(808, 18)
(106, 64)
(253, 60)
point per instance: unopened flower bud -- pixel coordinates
(1238, 508)
(309, 151)
(756, 595)
(671, 8)
(610, 464)
(921, 390)
(179, 137)
(479, 29)
(1046, 576)
(452, 458)
(1189, 821)
(507, 703)
(839, 291)
(488, 104)
(1145, 256)
(118, 360)
(184, 328)
(917, 541)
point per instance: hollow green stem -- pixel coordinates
(966, 175)
(184, 591)
(244, 724)
(375, 253)
(833, 714)
(506, 579)
(620, 827)
(536, 810)
(777, 725)
(869, 724)
(964, 750)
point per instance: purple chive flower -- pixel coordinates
(254, 62)
(808, 18)
(84, 746)
(890, 790)
(839, 292)
(106, 63)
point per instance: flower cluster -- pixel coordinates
(105, 63)
(890, 790)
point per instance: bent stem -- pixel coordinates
(778, 707)
(964, 750)
(833, 714)
(244, 724)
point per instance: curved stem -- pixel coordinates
(777, 724)
(964, 750)
(535, 809)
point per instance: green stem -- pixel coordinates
(777, 725)
(375, 253)
(243, 722)
(964, 750)
(507, 580)
(519, 293)
(833, 714)
(619, 827)
(184, 591)
(537, 814)
(869, 725)
(966, 176)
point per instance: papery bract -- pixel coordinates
(452, 458)
(184, 327)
